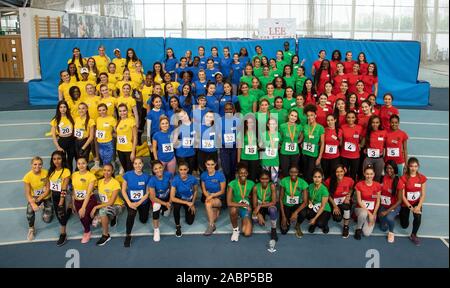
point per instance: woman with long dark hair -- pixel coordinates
(84, 132)
(322, 76)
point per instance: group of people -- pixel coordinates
(261, 138)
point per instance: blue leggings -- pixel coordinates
(388, 222)
(106, 152)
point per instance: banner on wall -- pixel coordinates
(92, 26)
(271, 28)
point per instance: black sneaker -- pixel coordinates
(178, 232)
(62, 240)
(358, 233)
(114, 222)
(311, 228)
(103, 240)
(345, 232)
(127, 242)
(273, 234)
(326, 229)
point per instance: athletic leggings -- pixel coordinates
(378, 165)
(68, 144)
(106, 152)
(322, 220)
(345, 213)
(286, 162)
(228, 161)
(363, 221)
(191, 161)
(144, 211)
(253, 168)
(125, 161)
(189, 217)
(202, 156)
(171, 166)
(308, 165)
(86, 220)
(329, 166)
(404, 219)
(352, 167)
(47, 212)
(388, 221)
(288, 210)
(62, 213)
(81, 154)
(158, 209)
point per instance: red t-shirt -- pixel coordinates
(369, 81)
(337, 81)
(351, 137)
(363, 67)
(385, 115)
(363, 120)
(317, 64)
(322, 113)
(348, 66)
(332, 142)
(387, 199)
(332, 100)
(310, 99)
(343, 188)
(413, 187)
(368, 194)
(324, 77)
(361, 97)
(352, 79)
(375, 148)
(333, 64)
(342, 120)
(394, 146)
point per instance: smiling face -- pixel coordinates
(36, 166)
(331, 122)
(123, 112)
(138, 165)
(293, 173)
(82, 109)
(57, 161)
(210, 166)
(164, 125)
(82, 165)
(317, 178)
(158, 170)
(63, 109)
(340, 173)
(242, 174)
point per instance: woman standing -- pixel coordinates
(162, 146)
(322, 76)
(339, 77)
(248, 150)
(350, 145)
(300, 80)
(363, 65)
(62, 132)
(316, 65)
(269, 142)
(186, 98)
(104, 134)
(309, 92)
(290, 133)
(332, 141)
(375, 143)
(126, 138)
(264, 201)
(371, 79)
(397, 144)
(227, 97)
(387, 110)
(228, 152)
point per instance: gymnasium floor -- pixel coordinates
(22, 136)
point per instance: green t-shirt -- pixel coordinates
(237, 197)
(249, 151)
(270, 99)
(258, 72)
(259, 56)
(278, 92)
(280, 65)
(275, 73)
(290, 146)
(264, 80)
(281, 115)
(290, 81)
(287, 56)
(295, 68)
(269, 156)
(296, 198)
(263, 195)
(246, 103)
(256, 93)
(301, 115)
(246, 79)
(316, 197)
(311, 139)
(262, 119)
(299, 82)
(289, 104)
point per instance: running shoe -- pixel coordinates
(62, 240)
(103, 240)
(31, 234)
(391, 237)
(326, 229)
(178, 232)
(127, 242)
(345, 232)
(311, 228)
(86, 238)
(156, 235)
(210, 230)
(414, 239)
(358, 233)
(235, 236)
(298, 231)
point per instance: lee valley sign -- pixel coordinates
(276, 28)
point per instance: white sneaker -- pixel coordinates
(235, 236)
(156, 236)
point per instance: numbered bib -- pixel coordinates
(339, 200)
(122, 140)
(413, 196)
(37, 193)
(250, 149)
(386, 200)
(167, 148)
(55, 186)
(309, 147)
(103, 198)
(80, 194)
(349, 147)
(393, 152)
(136, 195)
(271, 152)
(79, 133)
(373, 153)
(370, 205)
(331, 149)
(208, 143)
(229, 138)
(290, 147)
(245, 201)
(188, 142)
(100, 134)
(292, 200)
(65, 131)
(316, 207)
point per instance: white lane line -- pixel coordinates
(426, 156)
(22, 158)
(12, 209)
(31, 110)
(436, 204)
(445, 242)
(438, 178)
(428, 138)
(24, 124)
(424, 123)
(10, 181)
(25, 139)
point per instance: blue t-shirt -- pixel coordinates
(237, 72)
(184, 105)
(171, 64)
(179, 70)
(212, 183)
(244, 60)
(202, 63)
(224, 100)
(208, 138)
(186, 136)
(210, 74)
(154, 116)
(216, 60)
(162, 187)
(194, 72)
(184, 188)
(225, 66)
(219, 90)
(212, 103)
(165, 148)
(229, 131)
(136, 185)
(200, 88)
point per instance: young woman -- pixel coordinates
(131, 59)
(387, 110)
(293, 202)
(159, 189)
(126, 80)
(104, 81)
(265, 79)
(202, 57)
(397, 144)
(269, 143)
(375, 144)
(212, 103)
(238, 200)
(73, 73)
(295, 63)
(182, 67)
(350, 145)
(300, 106)
(135, 193)
(363, 64)
(348, 62)
(225, 64)
(336, 58)
(106, 98)
(237, 71)
(290, 134)
(92, 101)
(319, 210)
(338, 78)
(137, 76)
(352, 103)
(188, 55)
(270, 88)
(371, 79)
(77, 58)
(37, 194)
(289, 99)
(57, 184)
(413, 187)
(83, 183)
(248, 75)
(323, 110)
(316, 65)
(228, 152)
(101, 59)
(248, 149)
(364, 117)
(170, 63)
(289, 79)
(353, 77)
(259, 53)
(313, 137)
(279, 85)
(227, 97)
(113, 75)
(93, 70)
(199, 112)
(183, 194)
(126, 130)
(210, 70)
(262, 116)
(218, 79)
(374, 106)
(84, 82)
(213, 185)
(153, 117)
(174, 104)
(208, 141)
(247, 103)
(162, 146)
(62, 132)
(243, 56)
(64, 86)
(184, 139)
(257, 68)
(278, 112)
(368, 194)
(255, 91)
(343, 94)
(274, 72)
(332, 141)
(322, 76)
(309, 92)
(300, 80)
(264, 201)
(340, 112)
(186, 98)
(195, 68)
(200, 84)
(360, 92)
(341, 193)
(391, 199)
(157, 74)
(131, 103)
(111, 204)
(105, 125)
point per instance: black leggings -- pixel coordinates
(342, 208)
(82, 153)
(404, 219)
(288, 210)
(253, 168)
(189, 217)
(144, 211)
(68, 144)
(163, 208)
(286, 162)
(321, 222)
(202, 156)
(329, 166)
(125, 161)
(352, 167)
(62, 213)
(308, 165)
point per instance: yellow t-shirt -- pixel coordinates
(77, 63)
(137, 79)
(82, 85)
(111, 88)
(125, 135)
(93, 76)
(37, 183)
(120, 64)
(81, 183)
(120, 84)
(92, 103)
(57, 178)
(157, 79)
(129, 101)
(132, 65)
(64, 88)
(80, 131)
(102, 63)
(73, 106)
(73, 79)
(114, 78)
(175, 86)
(105, 191)
(65, 127)
(146, 94)
(105, 128)
(110, 103)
